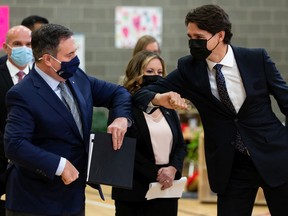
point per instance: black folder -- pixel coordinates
(108, 166)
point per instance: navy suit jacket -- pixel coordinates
(264, 135)
(40, 130)
(6, 83)
(145, 169)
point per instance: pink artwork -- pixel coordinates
(133, 22)
(4, 23)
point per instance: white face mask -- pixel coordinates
(21, 56)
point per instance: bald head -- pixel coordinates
(17, 36)
(19, 32)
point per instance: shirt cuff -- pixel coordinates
(61, 166)
(151, 107)
(129, 122)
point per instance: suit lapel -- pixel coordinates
(171, 122)
(246, 73)
(142, 128)
(48, 95)
(6, 76)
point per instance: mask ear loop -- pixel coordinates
(41, 58)
(216, 44)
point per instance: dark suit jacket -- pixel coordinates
(6, 83)
(3, 59)
(262, 132)
(40, 129)
(145, 170)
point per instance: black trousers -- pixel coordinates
(13, 213)
(154, 207)
(240, 196)
(2, 208)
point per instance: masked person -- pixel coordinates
(245, 143)
(32, 22)
(48, 127)
(160, 148)
(19, 56)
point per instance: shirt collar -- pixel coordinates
(227, 61)
(48, 79)
(13, 70)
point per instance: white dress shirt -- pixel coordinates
(13, 70)
(232, 77)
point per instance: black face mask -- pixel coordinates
(147, 80)
(198, 48)
(68, 69)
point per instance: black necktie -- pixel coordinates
(225, 99)
(68, 100)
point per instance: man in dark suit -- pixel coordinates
(245, 143)
(33, 23)
(18, 37)
(48, 127)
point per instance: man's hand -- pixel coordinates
(118, 129)
(170, 100)
(69, 174)
(165, 177)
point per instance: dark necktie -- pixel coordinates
(68, 100)
(20, 75)
(225, 99)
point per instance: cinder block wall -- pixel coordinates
(256, 23)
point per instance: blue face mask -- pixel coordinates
(68, 69)
(21, 56)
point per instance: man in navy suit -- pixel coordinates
(32, 22)
(46, 144)
(18, 38)
(246, 146)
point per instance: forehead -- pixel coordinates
(67, 46)
(20, 34)
(192, 30)
(154, 63)
(152, 47)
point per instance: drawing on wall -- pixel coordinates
(133, 22)
(4, 23)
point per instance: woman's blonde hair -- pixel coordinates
(135, 69)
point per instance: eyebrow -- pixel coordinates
(72, 52)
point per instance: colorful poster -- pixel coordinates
(4, 23)
(134, 22)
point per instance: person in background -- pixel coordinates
(18, 49)
(245, 143)
(147, 42)
(160, 148)
(33, 23)
(48, 127)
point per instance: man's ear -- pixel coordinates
(46, 58)
(5, 48)
(221, 35)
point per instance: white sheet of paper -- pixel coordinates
(173, 192)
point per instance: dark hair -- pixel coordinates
(211, 18)
(31, 20)
(46, 39)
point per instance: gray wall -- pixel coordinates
(256, 23)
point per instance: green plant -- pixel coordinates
(99, 122)
(192, 146)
